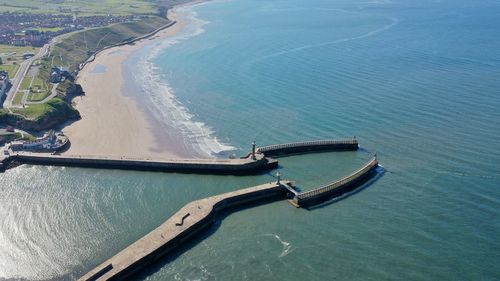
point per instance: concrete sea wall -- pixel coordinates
(203, 166)
(338, 187)
(187, 222)
(309, 146)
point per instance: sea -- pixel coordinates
(417, 83)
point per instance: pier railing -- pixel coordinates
(368, 167)
(309, 145)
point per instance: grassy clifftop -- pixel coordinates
(83, 8)
(71, 52)
(38, 117)
(77, 47)
(74, 49)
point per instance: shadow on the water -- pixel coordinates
(195, 240)
(379, 172)
(298, 153)
(362, 149)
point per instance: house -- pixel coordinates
(28, 55)
(59, 74)
(51, 141)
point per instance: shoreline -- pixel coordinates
(115, 122)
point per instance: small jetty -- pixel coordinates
(188, 221)
(309, 146)
(336, 188)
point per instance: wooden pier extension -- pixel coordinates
(187, 222)
(308, 146)
(337, 188)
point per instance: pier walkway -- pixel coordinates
(256, 161)
(202, 166)
(336, 188)
(309, 146)
(188, 221)
(200, 214)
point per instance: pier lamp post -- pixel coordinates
(253, 151)
(278, 176)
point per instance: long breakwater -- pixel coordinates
(256, 161)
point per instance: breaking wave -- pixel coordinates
(161, 99)
(287, 246)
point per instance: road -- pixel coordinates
(25, 66)
(21, 73)
(53, 94)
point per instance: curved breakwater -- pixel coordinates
(187, 222)
(337, 188)
(200, 214)
(309, 146)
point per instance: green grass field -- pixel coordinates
(82, 8)
(38, 96)
(18, 98)
(12, 56)
(25, 84)
(45, 29)
(39, 84)
(6, 49)
(76, 48)
(35, 111)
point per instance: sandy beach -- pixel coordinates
(113, 123)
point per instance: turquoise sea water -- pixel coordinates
(417, 82)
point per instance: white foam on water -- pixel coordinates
(162, 100)
(287, 246)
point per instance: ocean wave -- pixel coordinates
(162, 101)
(287, 246)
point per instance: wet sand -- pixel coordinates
(113, 122)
